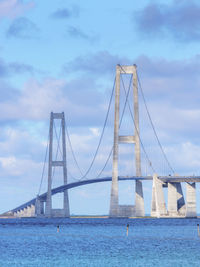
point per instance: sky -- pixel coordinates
(61, 56)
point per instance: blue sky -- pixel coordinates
(61, 56)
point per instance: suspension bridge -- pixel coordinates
(177, 206)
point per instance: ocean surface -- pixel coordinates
(99, 242)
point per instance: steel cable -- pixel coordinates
(154, 130)
(100, 140)
(44, 163)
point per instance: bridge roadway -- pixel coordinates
(60, 189)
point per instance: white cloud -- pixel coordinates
(13, 166)
(95, 131)
(36, 100)
(14, 8)
(185, 157)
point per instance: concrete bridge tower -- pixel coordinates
(115, 209)
(64, 212)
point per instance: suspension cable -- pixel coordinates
(71, 148)
(58, 147)
(44, 164)
(100, 140)
(126, 100)
(105, 163)
(154, 130)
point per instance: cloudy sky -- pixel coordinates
(61, 56)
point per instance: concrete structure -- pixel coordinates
(191, 200)
(49, 212)
(29, 211)
(158, 206)
(39, 207)
(176, 202)
(115, 211)
(158, 200)
(180, 200)
(126, 210)
(172, 199)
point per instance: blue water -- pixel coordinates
(99, 242)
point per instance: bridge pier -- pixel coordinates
(158, 206)
(172, 200)
(176, 202)
(191, 200)
(139, 200)
(39, 207)
(29, 211)
(180, 200)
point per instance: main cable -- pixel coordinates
(71, 148)
(44, 164)
(100, 140)
(119, 126)
(154, 130)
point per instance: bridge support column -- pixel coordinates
(158, 206)
(172, 200)
(48, 207)
(191, 200)
(31, 211)
(61, 163)
(180, 200)
(139, 200)
(114, 201)
(39, 207)
(17, 213)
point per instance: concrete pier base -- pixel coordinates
(180, 200)
(153, 202)
(172, 200)
(26, 212)
(39, 208)
(191, 200)
(126, 210)
(114, 200)
(158, 206)
(48, 207)
(58, 213)
(139, 200)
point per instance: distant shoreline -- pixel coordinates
(95, 217)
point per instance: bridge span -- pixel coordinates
(35, 207)
(62, 188)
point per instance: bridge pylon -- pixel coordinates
(64, 212)
(117, 210)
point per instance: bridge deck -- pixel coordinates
(60, 189)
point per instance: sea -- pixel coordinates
(99, 242)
